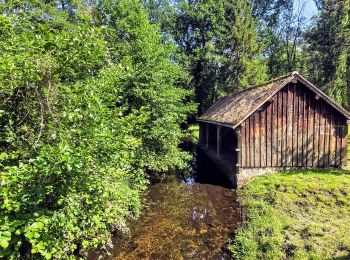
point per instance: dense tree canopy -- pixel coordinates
(212, 39)
(90, 103)
(217, 42)
(328, 49)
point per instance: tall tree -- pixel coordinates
(219, 43)
(328, 49)
(281, 27)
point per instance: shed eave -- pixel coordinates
(215, 123)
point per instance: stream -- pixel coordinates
(184, 217)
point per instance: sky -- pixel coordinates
(310, 7)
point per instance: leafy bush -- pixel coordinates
(92, 103)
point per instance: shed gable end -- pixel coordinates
(294, 128)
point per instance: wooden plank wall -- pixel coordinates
(294, 129)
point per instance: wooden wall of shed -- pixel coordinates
(294, 129)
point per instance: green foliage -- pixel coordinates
(194, 132)
(295, 215)
(91, 104)
(217, 43)
(328, 42)
(222, 46)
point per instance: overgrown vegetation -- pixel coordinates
(296, 215)
(96, 95)
(90, 102)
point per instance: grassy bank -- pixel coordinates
(296, 215)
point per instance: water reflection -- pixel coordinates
(182, 219)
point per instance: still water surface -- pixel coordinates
(181, 220)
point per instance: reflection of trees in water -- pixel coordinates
(183, 221)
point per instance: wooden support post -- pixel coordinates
(207, 136)
(201, 132)
(239, 149)
(344, 148)
(218, 141)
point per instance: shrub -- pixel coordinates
(92, 103)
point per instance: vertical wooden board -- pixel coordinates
(251, 141)
(290, 105)
(326, 137)
(304, 130)
(329, 133)
(274, 131)
(243, 150)
(312, 132)
(269, 135)
(248, 141)
(300, 127)
(333, 139)
(253, 137)
(344, 142)
(282, 135)
(279, 128)
(331, 136)
(322, 136)
(310, 129)
(246, 136)
(287, 148)
(316, 133)
(284, 125)
(263, 138)
(295, 125)
(257, 138)
(337, 143)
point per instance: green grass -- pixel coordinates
(296, 215)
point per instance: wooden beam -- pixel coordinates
(243, 146)
(218, 141)
(344, 146)
(239, 149)
(207, 136)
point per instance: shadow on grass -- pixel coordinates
(333, 171)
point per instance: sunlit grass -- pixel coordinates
(302, 214)
(296, 215)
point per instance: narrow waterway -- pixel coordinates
(182, 219)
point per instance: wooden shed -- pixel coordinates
(280, 124)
